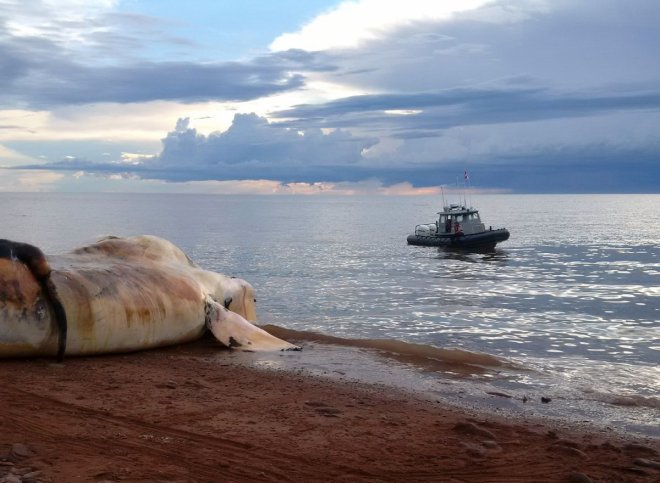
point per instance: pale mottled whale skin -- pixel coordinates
(121, 295)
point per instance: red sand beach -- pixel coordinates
(170, 415)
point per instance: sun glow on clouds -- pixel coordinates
(352, 23)
(39, 180)
(132, 159)
(43, 180)
(270, 187)
(402, 112)
(12, 158)
(138, 122)
(316, 91)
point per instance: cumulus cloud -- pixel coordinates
(252, 148)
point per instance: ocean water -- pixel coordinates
(567, 309)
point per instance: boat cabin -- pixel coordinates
(459, 219)
(453, 220)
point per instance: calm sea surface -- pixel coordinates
(571, 300)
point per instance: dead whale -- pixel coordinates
(119, 295)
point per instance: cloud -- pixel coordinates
(561, 45)
(464, 106)
(83, 52)
(405, 97)
(83, 181)
(364, 20)
(45, 81)
(252, 148)
(500, 155)
(89, 30)
(9, 157)
(519, 86)
(38, 181)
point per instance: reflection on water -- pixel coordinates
(472, 255)
(573, 294)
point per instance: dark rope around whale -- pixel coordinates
(36, 262)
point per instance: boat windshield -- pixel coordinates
(459, 217)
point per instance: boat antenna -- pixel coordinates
(466, 187)
(442, 192)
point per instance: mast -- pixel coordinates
(466, 184)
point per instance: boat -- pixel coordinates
(458, 227)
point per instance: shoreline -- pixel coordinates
(185, 414)
(471, 381)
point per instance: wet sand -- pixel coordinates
(173, 415)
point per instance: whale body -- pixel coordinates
(119, 295)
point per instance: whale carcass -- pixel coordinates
(119, 295)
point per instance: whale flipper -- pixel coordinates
(232, 330)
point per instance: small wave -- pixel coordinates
(628, 400)
(457, 361)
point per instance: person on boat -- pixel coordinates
(448, 225)
(457, 229)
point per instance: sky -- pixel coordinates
(330, 97)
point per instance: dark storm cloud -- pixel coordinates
(461, 107)
(13, 66)
(41, 81)
(579, 171)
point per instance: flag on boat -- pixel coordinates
(466, 176)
